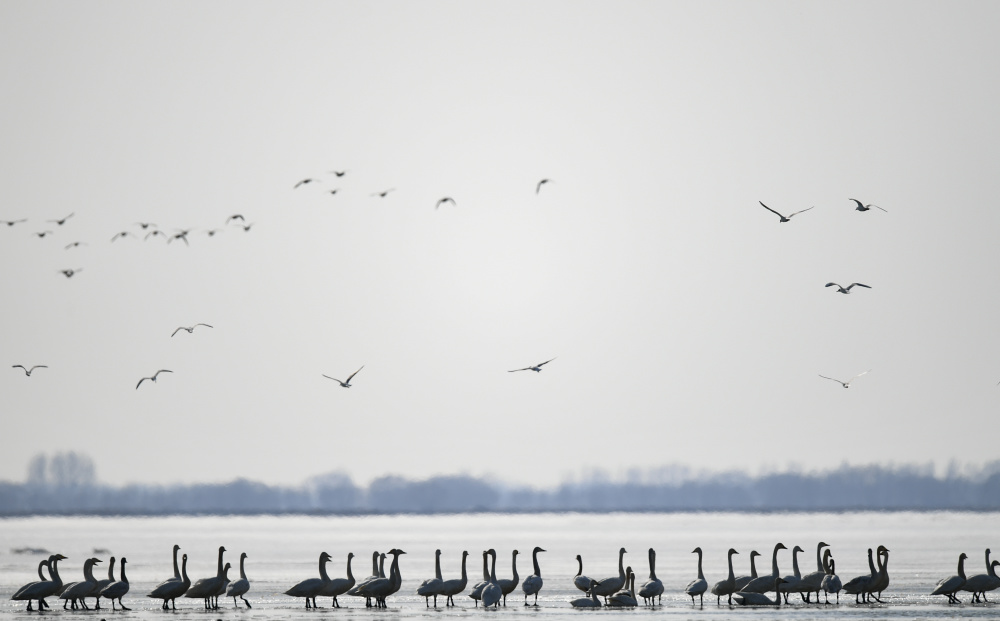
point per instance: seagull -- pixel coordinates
(848, 382)
(122, 234)
(383, 194)
(235, 216)
(145, 225)
(182, 236)
(246, 227)
(538, 188)
(69, 273)
(303, 182)
(862, 207)
(783, 218)
(346, 384)
(44, 233)
(848, 288)
(63, 221)
(154, 234)
(75, 244)
(339, 173)
(537, 368)
(13, 222)
(153, 379)
(28, 371)
(212, 232)
(191, 329)
(334, 190)
(446, 199)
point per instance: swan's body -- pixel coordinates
(742, 581)
(625, 598)
(378, 562)
(881, 580)
(949, 586)
(536, 368)
(763, 584)
(831, 581)
(728, 586)
(533, 583)
(846, 384)
(153, 378)
(432, 586)
(814, 581)
(69, 273)
(979, 584)
(240, 587)
(859, 585)
(96, 591)
(759, 599)
(345, 384)
(61, 221)
(492, 593)
(846, 289)
(610, 586)
(579, 580)
(451, 588)
(507, 586)
(79, 590)
(381, 588)
(311, 587)
(339, 586)
(191, 329)
(117, 589)
(699, 585)
(652, 588)
(587, 602)
(207, 588)
(169, 590)
(862, 207)
(783, 218)
(19, 594)
(793, 582)
(43, 588)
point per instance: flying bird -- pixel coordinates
(862, 207)
(384, 193)
(154, 234)
(191, 329)
(339, 173)
(303, 182)
(122, 234)
(75, 244)
(446, 199)
(246, 227)
(182, 236)
(152, 379)
(334, 191)
(346, 384)
(28, 371)
(63, 221)
(536, 368)
(69, 273)
(212, 232)
(848, 288)
(235, 216)
(783, 218)
(13, 222)
(538, 188)
(145, 225)
(43, 233)
(848, 382)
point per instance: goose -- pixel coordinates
(79, 590)
(446, 199)
(699, 585)
(814, 581)
(507, 586)
(744, 598)
(763, 584)
(117, 589)
(339, 586)
(63, 220)
(652, 588)
(450, 588)
(384, 193)
(383, 587)
(432, 586)
(536, 368)
(587, 602)
(533, 583)
(241, 586)
(612, 585)
(727, 586)
(346, 384)
(206, 588)
(831, 581)
(626, 596)
(310, 588)
(862, 207)
(981, 583)
(189, 330)
(169, 590)
(26, 593)
(27, 372)
(949, 586)
(848, 288)
(742, 581)
(846, 384)
(793, 582)
(492, 592)
(153, 378)
(101, 584)
(477, 589)
(13, 222)
(580, 581)
(378, 563)
(858, 586)
(122, 235)
(538, 188)
(784, 218)
(881, 580)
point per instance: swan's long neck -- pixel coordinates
(701, 575)
(54, 571)
(394, 576)
(486, 566)
(88, 570)
(777, 592)
(177, 572)
(437, 564)
(819, 558)
(350, 576)
(732, 576)
(883, 564)
(753, 566)
(122, 572)
(375, 564)
(465, 576)
(774, 562)
(652, 564)
(987, 563)
(961, 567)
(45, 563)
(221, 551)
(871, 565)
(579, 559)
(993, 568)
(621, 567)
(534, 561)
(243, 574)
(184, 571)
(381, 565)
(111, 569)
(513, 564)
(493, 567)
(795, 563)
(322, 568)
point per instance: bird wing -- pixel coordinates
(301, 182)
(178, 330)
(38, 366)
(353, 374)
(141, 381)
(161, 371)
(333, 378)
(19, 366)
(831, 378)
(235, 217)
(538, 188)
(769, 209)
(860, 284)
(546, 362)
(516, 370)
(860, 204)
(801, 210)
(877, 207)
(857, 376)
(832, 284)
(203, 324)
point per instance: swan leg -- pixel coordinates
(120, 603)
(30, 609)
(97, 605)
(42, 604)
(246, 602)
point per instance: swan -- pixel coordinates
(477, 588)
(858, 586)
(742, 581)
(846, 289)
(727, 586)
(207, 587)
(27, 371)
(170, 590)
(533, 583)
(492, 592)
(310, 588)
(339, 586)
(507, 586)
(831, 581)
(783, 218)
(376, 574)
(587, 602)
(814, 581)
(881, 580)
(700, 585)
(948, 586)
(96, 591)
(793, 582)
(446, 199)
(19, 594)
(381, 588)
(241, 586)
(43, 587)
(981, 583)
(117, 589)
(223, 586)
(450, 588)
(580, 581)
(612, 585)
(626, 596)
(432, 586)
(652, 588)
(763, 584)
(759, 599)
(191, 329)
(78, 590)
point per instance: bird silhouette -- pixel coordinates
(346, 384)
(446, 199)
(212, 232)
(246, 227)
(153, 378)
(235, 216)
(181, 236)
(384, 193)
(121, 235)
(848, 382)
(191, 329)
(43, 233)
(75, 244)
(13, 222)
(303, 182)
(846, 289)
(69, 273)
(61, 222)
(538, 188)
(536, 368)
(339, 173)
(334, 191)
(783, 218)
(862, 207)
(28, 371)
(145, 225)
(155, 234)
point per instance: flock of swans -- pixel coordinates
(616, 590)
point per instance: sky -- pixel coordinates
(688, 325)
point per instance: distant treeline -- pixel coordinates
(846, 488)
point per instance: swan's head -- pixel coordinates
(465, 553)
(225, 570)
(176, 548)
(695, 551)
(324, 557)
(123, 561)
(622, 551)
(882, 549)
(780, 546)
(537, 550)
(579, 558)
(515, 553)
(95, 560)
(754, 553)
(184, 558)
(822, 544)
(222, 549)
(962, 556)
(797, 549)
(350, 555)
(60, 557)
(732, 551)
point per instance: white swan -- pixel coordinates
(793, 582)
(727, 586)
(96, 591)
(759, 599)
(492, 593)
(310, 588)
(763, 584)
(339, 586)
(381, 588)
(783, 218)
(742, 581)
(881, 580)
(587, 602)
(846, 289)
(507, 586)
(78, 590)
(652, 588)
(533, 583)
(432, 586)
(580, 581)
(451, 588)
(241, 586)
(977, 585)
(206, 588)
(831, 581)
(610, 586)
(19, 595)
(43, 588)
(699, 585)
(625, 597)
(170, 590)
(814, 581)
(858, 586)
(950, 585)
(846, 384)
(378, 565)
(477, 589)
(117, 589)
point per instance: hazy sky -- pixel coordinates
(689, 325)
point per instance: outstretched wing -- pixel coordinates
(860, 284)
(832, 378)
(333, 378)
(155, 375)
(203, 324)
(769, 209)
(800, 211)
(538, 188)
(832, 284)
(516, 370)
(20, 366)
(353, 374)
(546, 362)
(178, 330)
(141, 381)
(860, 204)
(37, 366)
(877, 207)
(857, 376)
